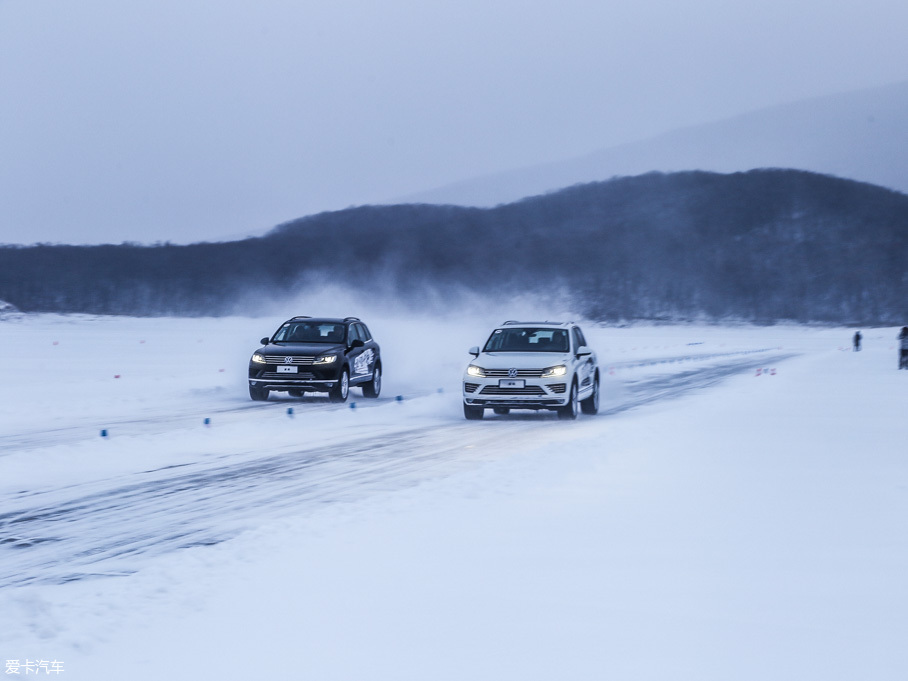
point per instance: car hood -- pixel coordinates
(306, 349)
(520, 360)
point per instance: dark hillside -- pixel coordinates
(763, 245)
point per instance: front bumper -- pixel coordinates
(306, 378)
(536, 394)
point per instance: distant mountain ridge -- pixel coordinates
(760, 246)
(856, 135)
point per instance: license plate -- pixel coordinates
(511, 383)
(281, 369)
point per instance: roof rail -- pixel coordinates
(514, 321)
(351, 319)
(302, 316)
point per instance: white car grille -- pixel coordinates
(533, 390)
(521, 373)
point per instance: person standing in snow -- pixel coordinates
(857, 341)
(903, 348)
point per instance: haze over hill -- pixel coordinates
(761, 246)
(857, 135)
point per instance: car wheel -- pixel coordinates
(373, 387)
(258, 394)
(501, 411)
(591, 404)
(472, 413)
(341, 389)
(569, 411)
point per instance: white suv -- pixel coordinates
(532, 365)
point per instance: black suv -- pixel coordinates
(317, 355)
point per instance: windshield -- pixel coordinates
(523, 339)
(311, 332)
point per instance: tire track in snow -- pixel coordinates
(668, 386)
(95, 529)
(154, 421)
(169, 509)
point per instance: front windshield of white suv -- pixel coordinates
(525, 339)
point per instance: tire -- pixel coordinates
(471, 413)
(373, 387)
(501, 411)
(341, 389)
(258, 394)
(569, 411)
(591, 404)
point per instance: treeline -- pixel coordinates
(762, 246)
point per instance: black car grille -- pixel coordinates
(301, 376)
(294, 359)
(532, 390)
(470, 387)
(557, 388)
(521, 373)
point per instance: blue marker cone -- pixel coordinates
(104, 432)
(207, 421)
(290, 412)
(399, 398)
(353, 405)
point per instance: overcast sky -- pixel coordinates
(181, 120)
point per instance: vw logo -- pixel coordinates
(288, 360)
(512, 373)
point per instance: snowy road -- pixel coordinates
(99, 527)
(736, 510)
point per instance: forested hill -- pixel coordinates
(764, 245)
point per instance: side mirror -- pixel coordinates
(265, 341)
(474, 351)
(357, 343)
(584, 351)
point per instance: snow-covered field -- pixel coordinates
(738, 510)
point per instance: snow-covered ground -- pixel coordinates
(738, 510)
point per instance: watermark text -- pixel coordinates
(36, 666)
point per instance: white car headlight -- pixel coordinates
(474, 370)
(258, 359)
(325, 359)
(555, 371)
